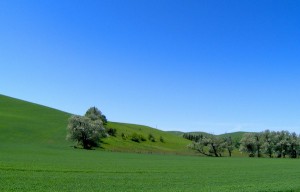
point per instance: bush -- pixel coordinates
(112, 132)
(161, 139)
(135, 137)
(143, 138)
(151, 137)
(124, 136)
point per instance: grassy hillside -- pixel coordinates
(171, 143)
(28, 123)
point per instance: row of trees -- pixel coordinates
(273, 144)
(270, 143)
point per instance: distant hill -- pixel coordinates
(28, 123)
(236, 136)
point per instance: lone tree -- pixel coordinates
(86, 130)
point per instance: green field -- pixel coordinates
(31, 168)
(34, 156)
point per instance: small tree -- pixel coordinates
(161, 139)
(135, 137)
(268, 145)
(112, 131)
(281, 143)
(229, 145)
(151, 137)
(248, 144)
(258, 143)
(85, 131)
(209, 146)
(294, 145)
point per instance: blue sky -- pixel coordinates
(199, 65)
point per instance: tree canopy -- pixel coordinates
(86, 130)
(278, 144)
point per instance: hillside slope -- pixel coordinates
(36, 125)
(170, 144)
(24, 122)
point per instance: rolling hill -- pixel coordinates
(236, 136)
(28, 123)
(25, 123)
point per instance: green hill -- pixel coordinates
(28, 123)
(25, 123)
(170, 144)
(236, 136)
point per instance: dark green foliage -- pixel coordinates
(143, 138)
(281, 143)
(209, 145)
(229, 145)
(193, 137)
(95, 114)
(135, 137)
(161, 139)
(151, 137)
(104, 120)
(124, 136)
(248, 144)
(112, 132)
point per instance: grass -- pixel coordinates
(34, 156)
(171, 145)
(33, 168)
(23, 122)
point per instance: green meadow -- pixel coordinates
(34, 156)
(31, 168)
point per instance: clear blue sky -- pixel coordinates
(198, 65)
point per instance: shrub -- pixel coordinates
(112, 132)
(135, 137)
(161, 139)
(151, 137)
(124, 136)
(143, 138)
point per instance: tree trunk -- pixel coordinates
(229, 152)
(214, 149)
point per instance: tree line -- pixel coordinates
(278, 144)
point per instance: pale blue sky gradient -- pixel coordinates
(200, 65)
